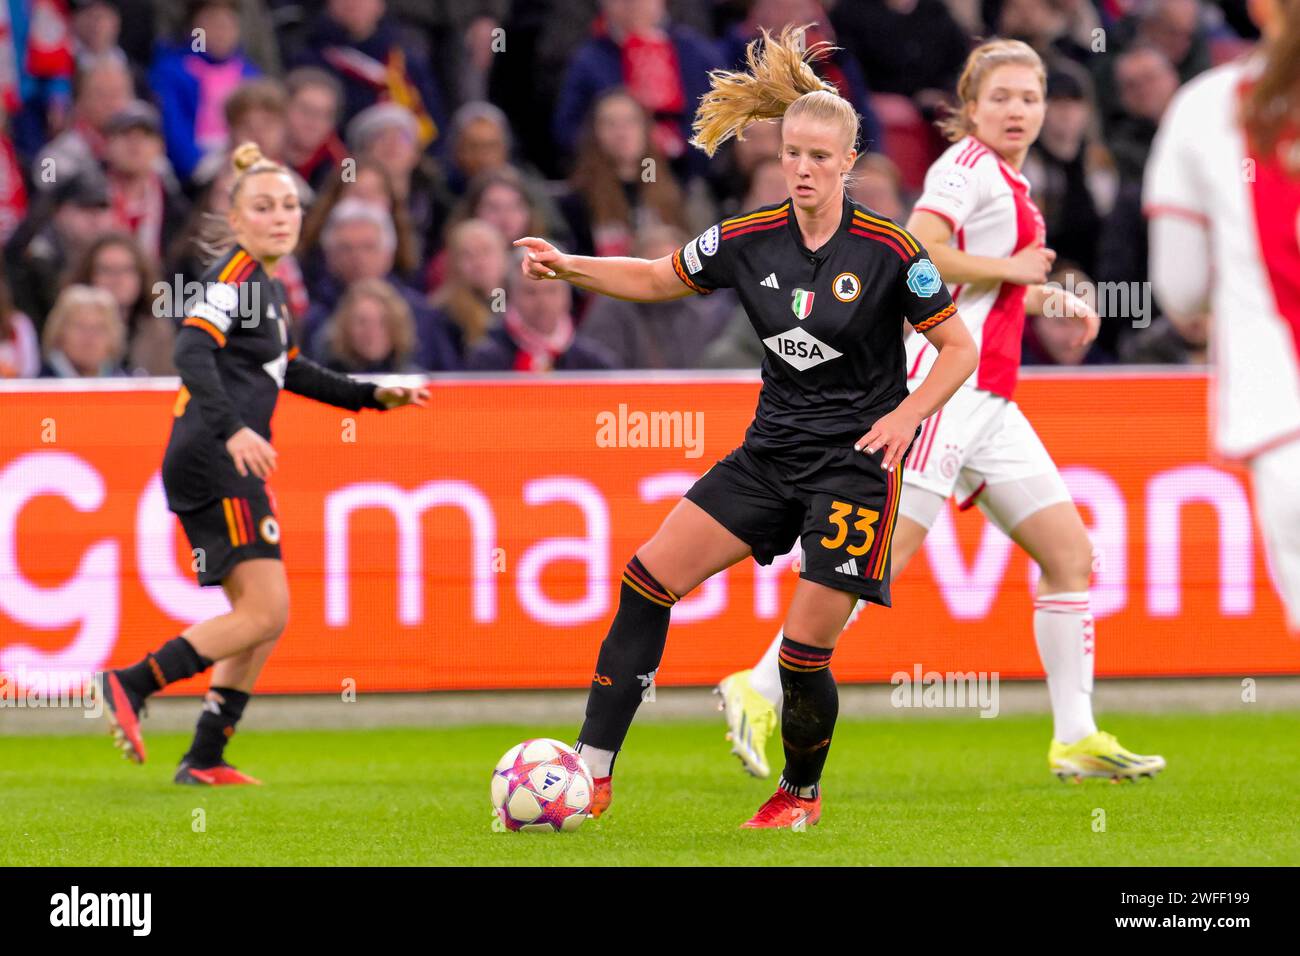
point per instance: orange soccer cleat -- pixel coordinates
(602, 795)
(122, 713)
(784, 810)
(222, 775)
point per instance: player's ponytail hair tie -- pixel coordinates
(247, 160)
(778, 82)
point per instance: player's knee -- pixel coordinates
(1069, 565)
(267, 618)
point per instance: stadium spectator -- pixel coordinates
(733, 167)
(36, 84)
(662, 64)
(537, 333)
(656, 335)
(261, 26)
(371, 184)
(312, 147)
(20, 353)
(95, 27)
(13, 191)
(621, 181)
(481, 142)
(1052, 337)
(501, 198)
(192, 81)
(115, 263)
(1060, 34)
(359, 242)
(84, 336)
(255, 112)
(473, 291)
(910, 47)
(357, 41)
(1071, 173)
(1146, 81)
(839, 68)
(875, 182)
(100, 91)
(1163, 343)
(371, 332)
(55, 233)
(387, 135)
(1172, 27)
(146, 200)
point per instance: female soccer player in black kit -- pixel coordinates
(234, 355)
(827, 285)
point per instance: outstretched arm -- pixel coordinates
(304, 377)
(621, 277)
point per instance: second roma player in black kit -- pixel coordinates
(827, 284)
(234, 354)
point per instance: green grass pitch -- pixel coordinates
(931, 791)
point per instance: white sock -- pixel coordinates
(766, 676)
(1063, 630)
(599, 762)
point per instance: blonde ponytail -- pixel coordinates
(779, 81)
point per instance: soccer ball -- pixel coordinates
(541, 785)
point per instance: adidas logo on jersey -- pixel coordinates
(849, 567)
(770, 281)
(800, 348)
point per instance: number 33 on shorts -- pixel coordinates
(865, 522)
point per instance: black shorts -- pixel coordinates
(839, 503)
(230, 530)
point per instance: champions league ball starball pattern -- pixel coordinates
(541, 785)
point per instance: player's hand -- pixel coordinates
(252, 453)
(543, 260)
(1087, 321)
(1029, 266)
(397, 396)
(893, 433)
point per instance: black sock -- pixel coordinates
(809, 706)
(629, 657)
(222, 708)
(175, 660)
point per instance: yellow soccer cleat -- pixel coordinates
(1100, 755)
(750, 721)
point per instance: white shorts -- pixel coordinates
(980, 448)
(1276, 478)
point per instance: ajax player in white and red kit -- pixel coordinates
(1222, 192)
(987, 238)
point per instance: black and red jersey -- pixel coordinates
(831, 319)
(235, 353)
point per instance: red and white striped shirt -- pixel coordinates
(986, 202)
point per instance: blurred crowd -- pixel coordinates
(430, 134)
